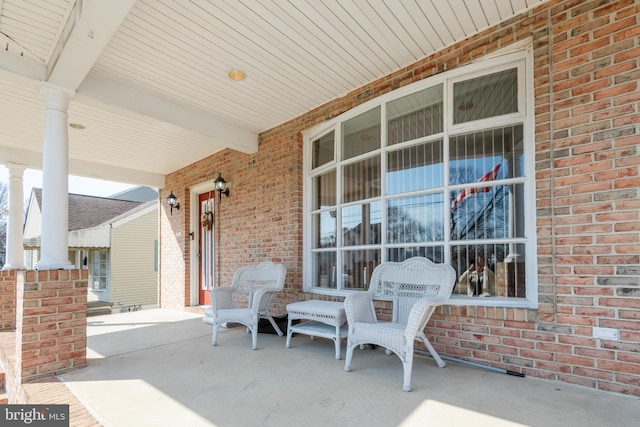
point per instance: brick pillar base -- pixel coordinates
(51, 324)
(8, 279)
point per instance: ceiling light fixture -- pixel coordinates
(237, 75)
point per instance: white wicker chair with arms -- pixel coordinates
(416, 287)
(257, 284)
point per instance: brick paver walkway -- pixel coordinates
(46, 391)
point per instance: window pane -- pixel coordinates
(324, 191)
(324, 270)
(415, 219)
(361, 134)
(487, 96)
(490, 270)
(434, 253)
(324, 230)
(414, 116)
(361, 224)
(361, 180)
(415, 168)
(357, 268)
(488, 213)
(474, 156)
(322, 150)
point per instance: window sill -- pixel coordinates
(455, 300)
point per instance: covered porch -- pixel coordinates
(157, 367)
(140, 93)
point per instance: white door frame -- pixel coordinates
(194, 226)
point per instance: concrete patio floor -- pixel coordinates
(158, 368)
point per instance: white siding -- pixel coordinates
(134, 280)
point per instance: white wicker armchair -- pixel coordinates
(415, 287)
(256, 284)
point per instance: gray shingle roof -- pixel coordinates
(91, 211)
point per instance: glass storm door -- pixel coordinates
(206, 246)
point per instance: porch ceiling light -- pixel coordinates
(237, 75)
(221, 186)
(172, 200)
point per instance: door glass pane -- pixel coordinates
(486, 155)
(361, 134)
(324, 229)
(324, 270)
(490, 270)
(322, 150)
(415, 116)
(361, 224)
(415, 219)
(415, 168)
(324, 190)
(487, 96)
(361, 180)
(357, 268)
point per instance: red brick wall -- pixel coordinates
(586, 107)
(8, 299)
(51, 326)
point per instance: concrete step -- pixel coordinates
(98, 308)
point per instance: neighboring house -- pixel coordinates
(115, 238)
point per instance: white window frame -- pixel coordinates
(108, 268)
(523, 61)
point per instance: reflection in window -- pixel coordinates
(489, 270)
(415, 168)
(324, 269)
(361, 180)
(490, 213)
(415, 219)
(487, 96)
(434, 253)
(322, 151)
(361, 134)
(474, 155)
(324, 229)
(415, 116)
(361, 224)
(324, 190)
(357, 268)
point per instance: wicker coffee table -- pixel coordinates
(323, 319)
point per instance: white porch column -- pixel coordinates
(15, 252)
(55, 181)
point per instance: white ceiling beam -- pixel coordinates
(98, 21)
(103, 93)
(33, 160)
(115, 173)
(29, 159)
(21, 71)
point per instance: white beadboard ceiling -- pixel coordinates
(150, 76)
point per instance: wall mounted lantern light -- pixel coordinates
(221, 186)
(173, 202)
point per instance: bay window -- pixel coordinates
(441, 169)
